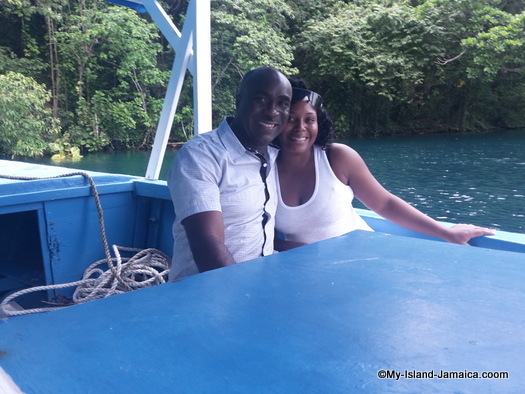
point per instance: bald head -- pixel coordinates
(256, 80)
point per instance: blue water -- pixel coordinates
(461, 178)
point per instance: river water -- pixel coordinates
(460, 178)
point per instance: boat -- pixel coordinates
(384, 311)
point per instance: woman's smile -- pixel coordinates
(301, 129)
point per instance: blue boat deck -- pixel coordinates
(51, 226)
(52, 230)
(327, 317)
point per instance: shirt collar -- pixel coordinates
(232, 143)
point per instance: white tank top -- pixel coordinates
(328, 213)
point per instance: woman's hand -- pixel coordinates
(462, 233)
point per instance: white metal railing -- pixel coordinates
(193, 53)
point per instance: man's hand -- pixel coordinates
(205, 232)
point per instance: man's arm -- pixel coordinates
(282, 245)
(205, 232)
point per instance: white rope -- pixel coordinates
(148, 267)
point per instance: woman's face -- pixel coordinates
(300, 131)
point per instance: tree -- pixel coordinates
(27, 125)
(109, 58)
(369, 58)
(435, 64)
(483, 61)
(382, 66)
(246, 34)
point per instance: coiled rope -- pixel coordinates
(148, 267)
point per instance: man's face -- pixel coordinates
(263, 107)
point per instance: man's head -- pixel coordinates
(263, 104)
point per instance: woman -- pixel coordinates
(317, 180)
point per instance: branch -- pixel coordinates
(506, 70)
(443, 62)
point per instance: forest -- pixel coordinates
(87, 75)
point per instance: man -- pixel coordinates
(223, 195)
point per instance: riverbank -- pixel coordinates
(456, 177)
(421, 131)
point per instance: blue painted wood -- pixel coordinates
(136, 215)
(73, 232)
(322, 318)
(14, 192)
(503, 240)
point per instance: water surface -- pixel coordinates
(461, 178)
(469, 178)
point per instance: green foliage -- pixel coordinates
(109, 57)
(26, 66)
(183, 130)
(435, 64)
(121, 122)
(27, 125)
(62, 149)
(499, 49)
(383, 66)
(246, 34)
(368, 58)
(86, 133)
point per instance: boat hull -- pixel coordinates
(58, 222)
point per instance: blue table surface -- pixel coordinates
(324, 318)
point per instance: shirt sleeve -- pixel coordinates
(193, 181)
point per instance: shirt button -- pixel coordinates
(265, 165)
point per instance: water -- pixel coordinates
(461, 178)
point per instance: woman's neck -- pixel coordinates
(295, 161)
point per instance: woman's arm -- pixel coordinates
(351, 169)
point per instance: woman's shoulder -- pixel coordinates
(341, 152)
(344, 161)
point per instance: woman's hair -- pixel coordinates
(325, 134)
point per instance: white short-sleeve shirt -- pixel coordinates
(214, 172)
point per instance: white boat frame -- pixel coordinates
(192, 49)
